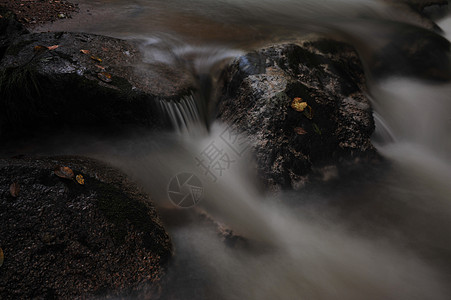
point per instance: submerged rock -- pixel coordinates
(414, 11)
(414, 48)
(62, 239)
(289, 144)
(77, 80)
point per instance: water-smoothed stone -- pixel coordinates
(412, 52)
(108, 85)
(290, 145)
(65, 240)
(415, 11)
(414, 48)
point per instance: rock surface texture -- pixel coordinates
(336, 127)
(58, 80)
(65, 240)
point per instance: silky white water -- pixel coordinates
(384, 233)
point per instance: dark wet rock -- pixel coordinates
(416, 53)
(420, 5)
(419, 12)
(289, 145)
(10, 29)
(66, 240)
(414, 48)
(65, 87)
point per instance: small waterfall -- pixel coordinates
(183, 114)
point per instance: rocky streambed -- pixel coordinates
(304, 107)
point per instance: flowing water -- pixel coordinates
(382, 233)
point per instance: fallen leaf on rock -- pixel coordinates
(53, 47)
(308, 112)
(64, 172)
(104, 49)
(96, 58)
(104, 76)
(300, 130)
(2, 257)
(84, 51)
(14, 189)
(80, 179)
(298, 104)
(317, 130)
(100, 67)
(40, 48)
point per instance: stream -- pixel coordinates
(383, 232)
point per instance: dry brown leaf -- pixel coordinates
(53, 47)
(105, 77)
(100, 67)
(80, 179)
(104, 49)
(300, 130)
(84, 51)
(64, 172)
(2, 257)
(96, 58)
(14, 189)
(39, 48)
(298, 104)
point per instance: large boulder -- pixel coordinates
(83, 81)
(62, 239)
(289, 144)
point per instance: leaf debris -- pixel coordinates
(14, 189)
(39, 48)
(300, 130)
(64, 172)
(96, 58)
(53, 47)
(2, 257)
(105, 77)
(298, 104)
(79, 178)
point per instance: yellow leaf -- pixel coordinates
(53, 47)
(298, 104)
(14, 189)
(84, 51)
(80, 179)
(2, 257)
(64, 172)
(96, 58)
